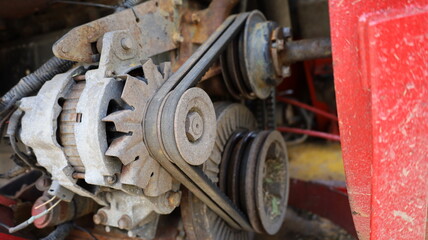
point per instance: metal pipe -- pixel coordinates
(312, 133)
(306, 49)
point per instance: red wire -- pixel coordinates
(308, 107)
(312, 133)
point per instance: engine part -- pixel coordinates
(151, 25)
(162, 143)
(200, 222)
(84, 127)
(126, 136)
(251, 167)
(248, 65)
(63, 212)
(33, 82)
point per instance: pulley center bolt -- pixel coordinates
(194, 126)
(126, 43)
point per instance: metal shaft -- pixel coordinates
(306, 49)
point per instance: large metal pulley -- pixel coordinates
(194, 126)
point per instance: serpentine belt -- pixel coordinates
(159, 131)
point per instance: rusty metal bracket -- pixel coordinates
(151, 25)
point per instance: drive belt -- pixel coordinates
(158, 129)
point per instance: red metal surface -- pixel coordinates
(5, 236)
(324, 200)
(380, 66)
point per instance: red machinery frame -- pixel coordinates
(380, 55)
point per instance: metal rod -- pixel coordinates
(312, 133)
(308, 107)
(306, 49)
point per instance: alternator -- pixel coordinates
(85, 128)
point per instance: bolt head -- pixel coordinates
(126, 43)
(177, 38)
(174, 199)
(194, 126)
(111, 179)
(100, 217)
(124, 222)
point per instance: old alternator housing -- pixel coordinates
(65, 126)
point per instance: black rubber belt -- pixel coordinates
(166, 98)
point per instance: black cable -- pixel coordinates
(90, 4)
(11, 133)
(31, 83)
(60, 232)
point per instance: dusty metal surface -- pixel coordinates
(197, 25)
(39, 125)
(151, 25)
(140, 169)
(230, 117)
(195, 103)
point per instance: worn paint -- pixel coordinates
(380, 67)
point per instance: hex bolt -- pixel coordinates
(177, 38)
(124, 222)
(174, 199)
(194, 126)
(100, 217)
(111, 179)
(126, 43)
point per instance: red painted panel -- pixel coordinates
(396, 69)
(380, 67)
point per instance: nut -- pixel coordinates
(194, 126)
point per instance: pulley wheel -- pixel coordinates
(200, 222)
(195, 126)
(272, 182)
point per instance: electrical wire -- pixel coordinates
(90, 4)
(29, 220)
(47, 202)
